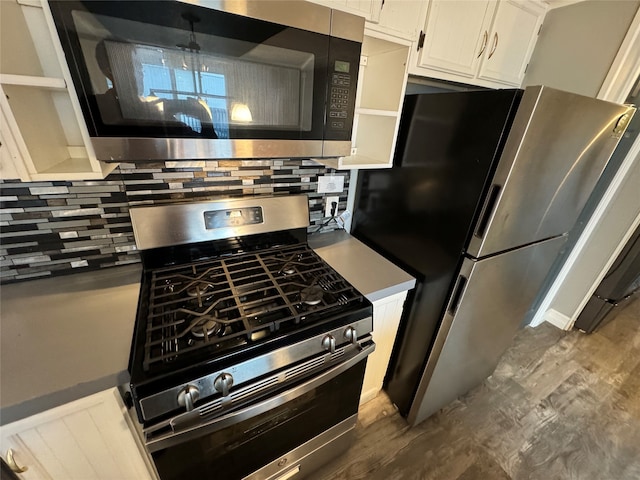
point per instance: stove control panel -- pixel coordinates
(234, 217)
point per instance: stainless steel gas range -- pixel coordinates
(249, 350)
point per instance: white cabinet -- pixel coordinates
(514, 35)
(84, 440)
(454, 36)
(43, 133)
(480, 42)
(400, 18)
(382, 80)
(369, 9)
(386, 318)
(395, 17)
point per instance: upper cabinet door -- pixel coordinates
(401, 18)
(369, 9)
(513, 37)
(456, 35)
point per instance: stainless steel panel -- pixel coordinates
(472, 337)
(180, 432)
(292, 13)
(556, 150)
(347, 26)
(118, 149)
(335, 148)
(310, 455)
(250, 370)
(166, 225)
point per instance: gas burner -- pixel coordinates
(206, 326)
(289, 268)
(197, 289)
(311, 295)
(214, 307)
(168, 287)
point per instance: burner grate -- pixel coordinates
(239, 299)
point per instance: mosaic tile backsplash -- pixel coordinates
(55, 228)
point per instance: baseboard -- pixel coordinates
(369, 395)
(558, 319)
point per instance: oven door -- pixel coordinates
(291, 432)
(170, 80)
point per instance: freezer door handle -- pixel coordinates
(487, 210)
(457, 294)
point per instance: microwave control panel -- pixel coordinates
(340, 95)
(342, 79)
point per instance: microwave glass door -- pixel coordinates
(167, 69)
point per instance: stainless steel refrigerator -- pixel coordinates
(484, 188)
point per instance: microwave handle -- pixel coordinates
(186, 426)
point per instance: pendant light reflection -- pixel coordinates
(240, 113)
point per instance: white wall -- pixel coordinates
(578, 43)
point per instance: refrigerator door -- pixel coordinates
(419, 214)
(483, 314)
(556, 150)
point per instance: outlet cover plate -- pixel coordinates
(331, 184)
(327, 206)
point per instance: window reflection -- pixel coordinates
(209, 86)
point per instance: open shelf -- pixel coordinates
(376, 150)
(52, 83)
(46, 137)
(371, 111)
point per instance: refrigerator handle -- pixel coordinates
(487, 210)
(457, 294)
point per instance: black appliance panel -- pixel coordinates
(618, 288)
(170, 69)
(342, 67)
(420, 214)
(241, 449)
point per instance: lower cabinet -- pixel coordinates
(86, 439)
(386, 318)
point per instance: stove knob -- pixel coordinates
(223, 383)
(188, 396)
(329, 343)
(351, 335)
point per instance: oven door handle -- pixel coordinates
(185, 428)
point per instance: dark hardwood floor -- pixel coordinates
(561, 405)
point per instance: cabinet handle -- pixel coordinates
(485, 39)
(495, 44)
(12, 463)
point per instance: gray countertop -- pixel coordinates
(67, 337)
(374, 276)
(64, 338)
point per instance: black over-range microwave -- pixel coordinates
(162, 80)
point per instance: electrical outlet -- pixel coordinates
(327, 206)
